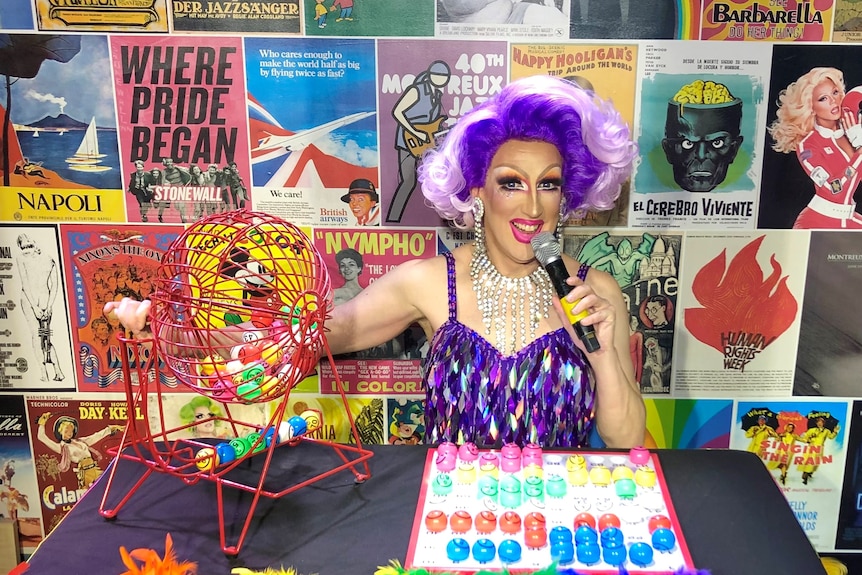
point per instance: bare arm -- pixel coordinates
(382, 310)
(619, 409)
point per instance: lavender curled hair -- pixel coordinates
(593, 141)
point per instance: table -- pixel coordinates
(734, 518)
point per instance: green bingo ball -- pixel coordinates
(240, 446)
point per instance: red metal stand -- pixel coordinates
(237, 315)
(177, 457)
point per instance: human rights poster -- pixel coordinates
(610, 71)
(312, 115)
(35, 345)
(803, 444)
(355, 259)
(19, 492)
(753, 20)
(425, 86)
(740, 298)
(60, 159)
(108, 263)
(701, 122)
(183, 135)
(829, 359)
(811, 170)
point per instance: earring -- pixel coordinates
(561, 222)
(478, 231)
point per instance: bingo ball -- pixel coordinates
(244, 286)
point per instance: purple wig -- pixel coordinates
(592, 139)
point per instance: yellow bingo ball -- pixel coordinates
(600, 475)
(271, 353)
(205, 459)
(312, 419)
(621, 472)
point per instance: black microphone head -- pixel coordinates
(546, 247)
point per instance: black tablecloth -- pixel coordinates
(733, 516)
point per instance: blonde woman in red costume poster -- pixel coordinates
(821, 125)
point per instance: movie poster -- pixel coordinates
(99, 15)
(280, 16)
(849, 532)
(368, 414)
(450, 237)
(107, 264)
(61, 158)
(406, 421)
(847, 23)
(740, 298)
(19, 493)
(377, 18)
(355, 259)
(803, 445)
(35, 345)
(810, 176)
(829, 359)
(311, 108)
(688, 423)
(753, 20)
(701, 123)
(609, 71)
(425, 86)
(17, 15)
(196, 416)
(71, 443)
(183, 133)
(657, 19)
(524, 20)
(646, 267)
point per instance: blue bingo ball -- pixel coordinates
(225, 452)
(663, 539)
(641, 554)
(614, 555)
(561, 534)
(269, 436)
(589, 553)
(563, 552)
(612, 537)
(509, 551)
(458, 549)
(484, 550)
(586, 535)
(298, 425)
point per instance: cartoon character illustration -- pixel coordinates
(759, 427)
(407, 426)
(346, 10)
(258, 291)
(818, 121)
(364, 202)
(76, 453)
(419, 115)
(320, 13)
(621, 262)
(702, 134)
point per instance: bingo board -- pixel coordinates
(523, 509)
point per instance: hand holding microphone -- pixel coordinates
(548, 252)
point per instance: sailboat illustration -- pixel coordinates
(88, 158)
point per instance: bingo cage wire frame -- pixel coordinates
(147, 363)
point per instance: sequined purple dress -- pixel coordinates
(542, 394)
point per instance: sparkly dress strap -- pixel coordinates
(582, 272)
(450, 276)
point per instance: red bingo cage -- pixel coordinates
(237, 316)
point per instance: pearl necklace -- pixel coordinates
(523, 301)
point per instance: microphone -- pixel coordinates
(548, 252)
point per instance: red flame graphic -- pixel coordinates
(740, 300)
